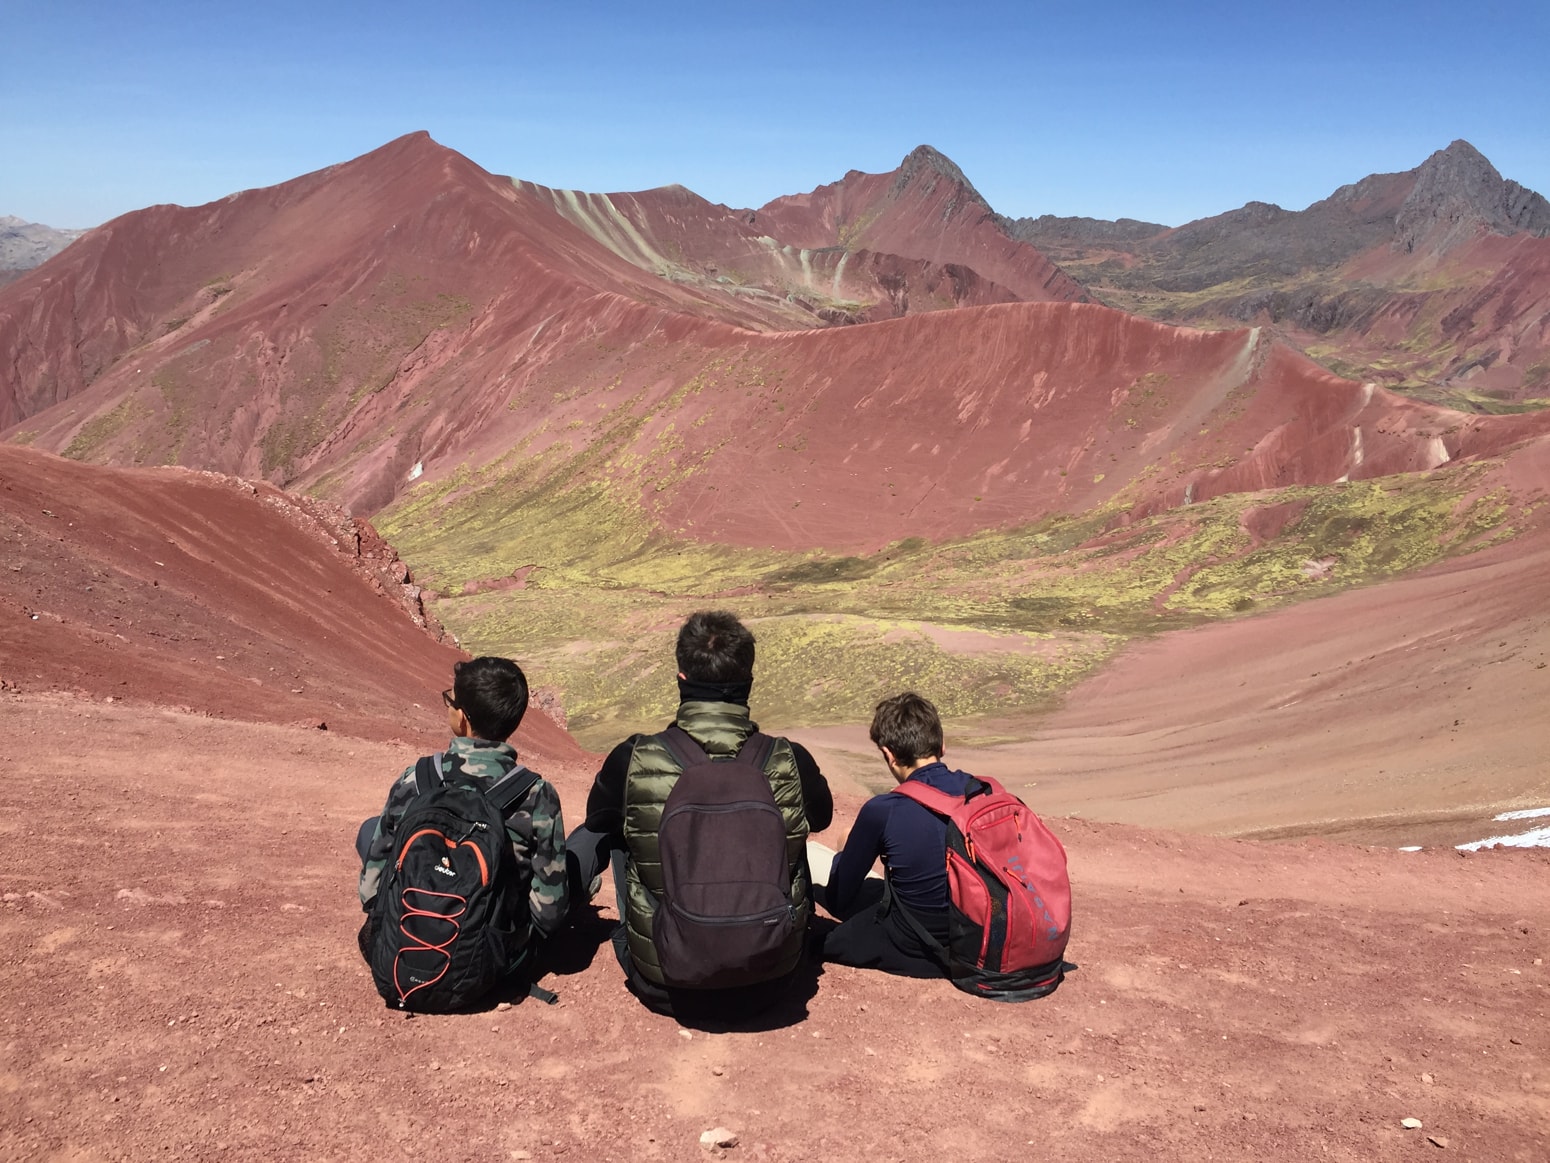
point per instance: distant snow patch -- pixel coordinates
(417, 471)
(1535, 838)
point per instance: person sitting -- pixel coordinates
(875, 931)
(629, 803)
(485, 704)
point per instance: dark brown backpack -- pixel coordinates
(725, 918)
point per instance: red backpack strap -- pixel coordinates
(940, 802)
(945, 803)
(990, 786)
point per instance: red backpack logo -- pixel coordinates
(1010, 908)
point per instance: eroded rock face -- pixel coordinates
(24, 245)
(1457, 195)
(363, 547)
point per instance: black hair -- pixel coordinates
(909, 726)
(714, 646)
(492, 692)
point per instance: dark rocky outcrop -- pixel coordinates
(1457, 194)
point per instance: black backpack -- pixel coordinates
(451, 917)
(725, 918)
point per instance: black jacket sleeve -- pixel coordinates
(605, 802)
(817, 799)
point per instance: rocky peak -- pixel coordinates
(1457, 193)
(928, 160)
(24, 245)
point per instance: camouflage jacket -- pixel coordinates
(535, 827)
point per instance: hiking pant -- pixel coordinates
(874, 934)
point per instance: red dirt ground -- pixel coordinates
(177, 920)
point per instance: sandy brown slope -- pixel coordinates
(1410, 712)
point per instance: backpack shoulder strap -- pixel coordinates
(684, 746)
(945, 803)
(428, 773)
(929, 797)
(756, 749)
(511, 789)
(891, 903)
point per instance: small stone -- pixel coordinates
(717, 1071)
(1436, 1140)
(1515, 1041)
(685, 1035)
(1410, 1124)
(718, 1137)
(1428, 1079)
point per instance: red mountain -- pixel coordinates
(408, 312)
(189, 589)
(926, 210)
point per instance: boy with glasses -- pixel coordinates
(485, 704)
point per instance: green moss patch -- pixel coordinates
(604, 593)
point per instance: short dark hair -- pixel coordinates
(909, 726)
(714, 646)
(492, 692)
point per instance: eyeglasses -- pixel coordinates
(446, 697)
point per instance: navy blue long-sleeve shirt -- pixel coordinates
(912, 841)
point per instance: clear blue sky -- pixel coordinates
(1160, 111)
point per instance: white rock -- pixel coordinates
(1410, 1124)
(718, 1137)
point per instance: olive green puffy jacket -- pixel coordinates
(720, 729)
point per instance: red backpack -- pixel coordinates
(1009, 916)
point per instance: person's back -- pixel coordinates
(478, 773)
(876, 930)
(630, 802)
(998, 926)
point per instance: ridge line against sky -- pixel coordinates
(1166, 112)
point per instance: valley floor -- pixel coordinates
(1408, 713)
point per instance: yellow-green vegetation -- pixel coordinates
(101, 428)
(367, 341)
(606, 592)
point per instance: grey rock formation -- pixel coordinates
(24, 245)
(1457, 194)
